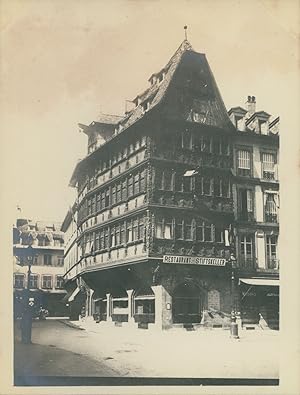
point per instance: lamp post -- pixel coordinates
(233, 324)
(26, 322)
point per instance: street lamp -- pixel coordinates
(26, 323)
(234, 333)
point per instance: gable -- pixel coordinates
(193, 94)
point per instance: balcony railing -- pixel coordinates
(272, 263)
(271, 218)
(268, 175)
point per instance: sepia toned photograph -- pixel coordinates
(146, 243)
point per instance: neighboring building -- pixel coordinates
(46, 280)
(153, 234)
(69, 227)
(256, 193)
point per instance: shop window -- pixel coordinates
(59, 283)
(19, 280)
(47, 281)
(144, 306)
(243, 163)
(48, 259)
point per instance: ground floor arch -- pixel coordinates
(188, 303)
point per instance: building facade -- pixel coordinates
(256, 193)
(46, 283)
(155, 207)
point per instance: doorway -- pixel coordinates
(187, 304)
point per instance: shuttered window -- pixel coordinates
(244, 159)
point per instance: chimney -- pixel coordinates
(250, 105)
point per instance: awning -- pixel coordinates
(260, 281)
(74, 294)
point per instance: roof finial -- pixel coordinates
(185, 31)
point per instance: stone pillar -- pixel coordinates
(108, 308)
(130, 306)
(163, 308)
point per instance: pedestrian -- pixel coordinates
(26, 325)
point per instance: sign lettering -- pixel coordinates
(194, 260)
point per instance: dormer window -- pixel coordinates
(263, 127)
(161, 77)
(240, 123)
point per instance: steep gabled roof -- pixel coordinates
(157, 91)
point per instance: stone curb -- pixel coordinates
(71, 325)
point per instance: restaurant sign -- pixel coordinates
(194, 260)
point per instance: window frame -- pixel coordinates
(51, 279)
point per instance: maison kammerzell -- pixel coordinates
(166, 233)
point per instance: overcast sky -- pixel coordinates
(65, 61)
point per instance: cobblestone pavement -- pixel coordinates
(127, 352)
